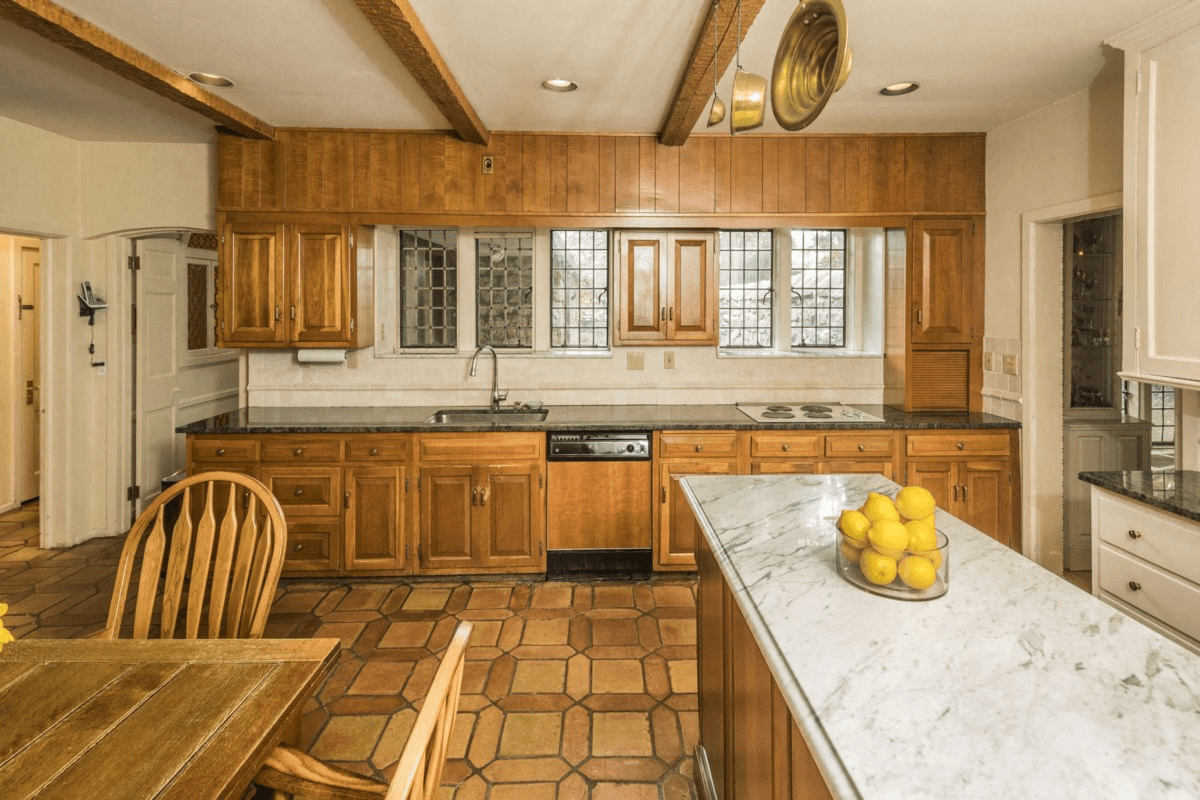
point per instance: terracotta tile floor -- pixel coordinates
(571, 690)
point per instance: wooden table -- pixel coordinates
(135, 719)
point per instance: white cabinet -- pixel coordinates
(1095, 446)
(1161, 338)
(1146, 562)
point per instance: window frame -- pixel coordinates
(580, 350)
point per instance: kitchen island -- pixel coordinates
(1013, 684)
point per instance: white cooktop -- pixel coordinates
(805, 412)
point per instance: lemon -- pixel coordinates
(888, 534)
(850, 552)
(928, 521)
(854, 524)
(857, 544)
(916, 572)
(932, 556)
(879, 506)
(920, 535)
(915, 502)
(876, 567)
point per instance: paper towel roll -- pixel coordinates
(322, 356)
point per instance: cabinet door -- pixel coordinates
(312, 545)
(511, 507)
(675, 526)
(944, 273)
(251, 286)
(447, 497)
(643, 285)
(939, 477)
(376, 522)
(692, 292)
(984, 498)
(321, 290)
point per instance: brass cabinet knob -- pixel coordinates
(862, 447)
(787, 447)
(1134, 586)
(699, 448)
(374, 451)
(1135, 534)
(297, 548)
(298, 492)
(960, 445)
(299, 451)
(220, 451)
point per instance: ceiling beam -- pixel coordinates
(397, 23)
(691, 98)
(55, 23)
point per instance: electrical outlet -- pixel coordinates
(668, 360)
(1010, 365)
(989, 361)
(635, 361)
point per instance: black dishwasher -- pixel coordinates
(598, 508)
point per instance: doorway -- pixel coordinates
(20, 369)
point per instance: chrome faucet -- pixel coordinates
(498, 397)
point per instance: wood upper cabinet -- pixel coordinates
(293, 284)
(482, 503)
(668, 288)
(945, 271)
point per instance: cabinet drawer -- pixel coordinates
(311, 546)
(779, 467)
(301, 450)
(784, 445)
(475, 447)
(697, 445)
(1158, 593)
(378, 449)
(234, 449)
(1149, 534)
(860, 445)
(305, 491)
(957, 443)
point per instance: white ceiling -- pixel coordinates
(318, 63)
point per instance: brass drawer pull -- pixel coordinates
(1134, 586)
(298, 492)
(475, 496)
(1135, 534)
(699, 448)
(220, 451)
(299, 451)
(297, 548)
(956, 491)
(374, 451)
(960, 445)
(787, 447)
(862, 448)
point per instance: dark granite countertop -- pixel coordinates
(616, 417)
(1176, 492)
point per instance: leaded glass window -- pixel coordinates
(429, 288)
(579, 289)
(818, 288)
(745, 288)
(504, 290)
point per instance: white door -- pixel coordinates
(30, 430)
(155, 341)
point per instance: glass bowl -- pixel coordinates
(848, 565)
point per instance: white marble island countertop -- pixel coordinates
(1015, 684)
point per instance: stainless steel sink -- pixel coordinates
(487, 416)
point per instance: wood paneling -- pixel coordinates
(569, 175)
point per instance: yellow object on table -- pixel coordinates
(5, 635)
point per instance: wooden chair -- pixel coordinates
(227, 560)
(419, 772)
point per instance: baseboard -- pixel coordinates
(629, 563)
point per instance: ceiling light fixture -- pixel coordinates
(209, 79)
(559, 85)
(897, 89)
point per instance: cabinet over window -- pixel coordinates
(668, 288)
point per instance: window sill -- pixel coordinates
(798, 353)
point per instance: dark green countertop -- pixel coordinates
(1177, 492)
(612, 417)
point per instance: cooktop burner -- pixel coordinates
(804, 412)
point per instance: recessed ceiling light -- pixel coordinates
(209, 79)
(903, 87)
(559, 85)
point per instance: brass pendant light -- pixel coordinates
(749, 92)
(812, 62)
(717, 112)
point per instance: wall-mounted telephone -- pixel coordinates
(88, 298)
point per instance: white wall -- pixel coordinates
(1062, 159)
(74, 194)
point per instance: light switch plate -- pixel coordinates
(1010, 365)
(635, 361)
(989, 361)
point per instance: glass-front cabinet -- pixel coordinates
(1092, 314)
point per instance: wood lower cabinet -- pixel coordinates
(482, 503)
(821, 452)
(375, 518)
(679, 453)
(971, 475)
(752, 745)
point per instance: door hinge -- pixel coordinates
(133, 492)
(1137, 83)
(407, 481)
(407, 550)
(352, 324)
(135, 262)
(541, 482)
